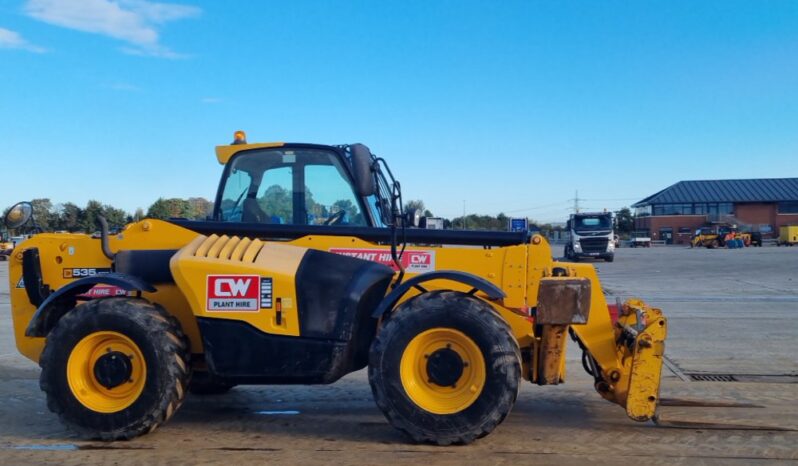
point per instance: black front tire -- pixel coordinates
(479, 322)
(165, 352)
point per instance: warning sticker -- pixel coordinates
(234, 292)
(413, 260)
(265, 293)
(21, 283)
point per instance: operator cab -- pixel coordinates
(300, 184)
(282, 191)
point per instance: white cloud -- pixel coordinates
(136, 22)
(12, 40)
(157, 51)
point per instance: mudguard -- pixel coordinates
(62, 300)
(476, 282)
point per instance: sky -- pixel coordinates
(511, 106)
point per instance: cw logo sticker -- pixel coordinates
(231, 287)
(233, 292)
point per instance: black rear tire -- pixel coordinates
(447, 310)
(165, 352)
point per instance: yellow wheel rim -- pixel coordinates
(81, 372)
(436, 398)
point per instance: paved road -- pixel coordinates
(730, 311)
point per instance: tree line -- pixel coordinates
(624, 221)
(469, 222)
(73, 218)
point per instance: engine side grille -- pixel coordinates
(232, 248)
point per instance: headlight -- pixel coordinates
(577, 247)
(611, 245)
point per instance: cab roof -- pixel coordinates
(225, 153)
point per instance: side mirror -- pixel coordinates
(18, 215)
(365, 184)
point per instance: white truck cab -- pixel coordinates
(591, 235)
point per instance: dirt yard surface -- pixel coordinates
(732, 314)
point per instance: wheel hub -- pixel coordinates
(444, 367)
(113, 369)
(106, 371)
(442, 370)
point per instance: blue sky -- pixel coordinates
(508, 106)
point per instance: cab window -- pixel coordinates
(289, 186)
(275, 198)
(328, 195)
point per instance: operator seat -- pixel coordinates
(252, 213)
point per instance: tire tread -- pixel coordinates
(415, 308)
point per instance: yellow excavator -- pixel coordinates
(309, 269)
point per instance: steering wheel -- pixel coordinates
(335, 218)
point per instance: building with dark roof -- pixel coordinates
(674, 213)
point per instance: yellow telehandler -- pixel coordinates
(716, 236)
(309, 269)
